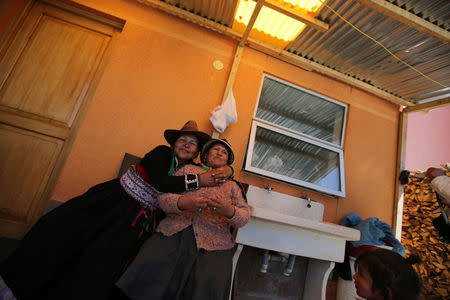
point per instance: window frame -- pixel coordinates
(257, 122)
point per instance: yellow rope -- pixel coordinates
(395, 56)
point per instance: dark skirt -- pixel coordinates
(79, 249)
(173, 268)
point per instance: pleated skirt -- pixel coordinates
(79, 249)
(173, 268)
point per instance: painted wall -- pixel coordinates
(8, 11)
(161, 74)
(427, 139)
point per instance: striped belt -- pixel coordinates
(138, 188)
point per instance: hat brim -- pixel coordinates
(171, 136)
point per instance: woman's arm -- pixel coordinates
(157, 162)
(174, 203)
(216, 176)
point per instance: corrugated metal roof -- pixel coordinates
(346, 50)
(342, 48)
(220, 11)
(434, 11)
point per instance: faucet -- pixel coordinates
(308, 202)
(268, 188)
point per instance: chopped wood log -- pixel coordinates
(419, 237)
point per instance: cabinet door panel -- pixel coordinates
(53, 70)
(49, 69)
(27, 160)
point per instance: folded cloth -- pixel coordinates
(373, 232)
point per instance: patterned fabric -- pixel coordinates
(137, 188)
(211, 230)
(5, 292)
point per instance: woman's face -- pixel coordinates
(217, 156)
(186, 147)
(363, 284)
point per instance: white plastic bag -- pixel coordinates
(225, 114)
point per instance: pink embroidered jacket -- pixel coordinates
(211, 230)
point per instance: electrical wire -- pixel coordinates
(384, 47)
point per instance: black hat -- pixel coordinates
(211, 143)
(171, 135)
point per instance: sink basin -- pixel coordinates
(323, 227)
(279, 203)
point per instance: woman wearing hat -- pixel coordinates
(79, 249)
(189, 257)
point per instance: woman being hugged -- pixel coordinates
(189, 257)
(80, 249)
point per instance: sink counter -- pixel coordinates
(275, 231)
(347, 233)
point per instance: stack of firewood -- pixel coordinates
(421, 238)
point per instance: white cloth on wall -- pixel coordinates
(225, 114)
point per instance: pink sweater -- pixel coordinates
(211, 230)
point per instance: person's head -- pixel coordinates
(217, 153)
(435, 172)
(186, 142)
(385, 275)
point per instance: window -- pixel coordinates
(297, 137)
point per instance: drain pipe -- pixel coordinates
(290, 261)
(290, 265)
(265, 262)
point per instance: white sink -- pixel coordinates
(313, 225)
(284, 204)
(286, 224)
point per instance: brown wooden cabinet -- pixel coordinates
(50, 65)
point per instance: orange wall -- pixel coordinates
(8, 11)
(161, 74)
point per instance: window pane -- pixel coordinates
(303, 112)
(296, 159)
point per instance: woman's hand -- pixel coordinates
(215, 176)
(224, 172)
(192, 203)
(221, 207)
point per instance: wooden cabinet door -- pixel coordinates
(48, 71)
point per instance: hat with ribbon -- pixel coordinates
(211, 143)
(171, 135)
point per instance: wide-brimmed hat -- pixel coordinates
(171, 135)
(211, 143)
